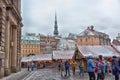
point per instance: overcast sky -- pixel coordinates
(73, 16)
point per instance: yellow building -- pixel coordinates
(93, 37)
(30, 44)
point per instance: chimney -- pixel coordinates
(92, 27)
(88, 27)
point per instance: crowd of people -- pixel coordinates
(96, 68)
(102, 67)
(32, 65)
(64, 66)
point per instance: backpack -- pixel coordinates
(96, 68)
(101, 67)
(113, 66)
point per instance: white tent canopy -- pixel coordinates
(63, 54)
(40, 57)
(106, 51)
(27, 59)
(118, 48)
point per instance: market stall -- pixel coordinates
(63, 54)
(39, 60)
(82, 52)
(117, 48)
(106, 51)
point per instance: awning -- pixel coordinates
(63, 54)
(40, 57)
(106, 51)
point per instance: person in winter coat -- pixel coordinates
(67, 68)
(100, 73)
(115, 68)
(81, 68)
(109, 67)
(73, 66)
(119, 62)
(28, 66)
(62, 68)
(59, 65)
(105, 66)
(90, 68)
(32, 66)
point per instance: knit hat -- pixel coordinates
(90, 57)
(114, 57)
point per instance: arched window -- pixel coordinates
(92, 39)
(86, 39)
(0, 38)
(80, 40)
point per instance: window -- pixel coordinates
(0, 63)
(92, 39)
(0, 37)
(86, 39)
(80, 40)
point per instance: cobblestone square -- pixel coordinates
(52, 74)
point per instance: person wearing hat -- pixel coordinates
(115, 67)
(90, 68)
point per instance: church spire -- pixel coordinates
(55, 26)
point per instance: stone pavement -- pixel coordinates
(52, 74)
(17, 76)
(48, 74)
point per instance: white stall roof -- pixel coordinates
(43, 57)
(63, 54)
(118, 48)
(106, 51)
(27, 59)
(40, 57)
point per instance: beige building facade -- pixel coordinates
(117, 40)
(93, 37)
(10, 36)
